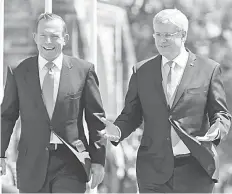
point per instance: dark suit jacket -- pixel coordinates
(78, 91)
(199, 101)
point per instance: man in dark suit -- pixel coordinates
(181, 99)
(50, 92)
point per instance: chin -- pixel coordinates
(48, 58)
(163, 51)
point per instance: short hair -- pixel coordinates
(50, 16)
(173, 16)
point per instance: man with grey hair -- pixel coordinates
(181, 99)
(52, 91)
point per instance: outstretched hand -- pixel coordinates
(111, 131)
(212, 132)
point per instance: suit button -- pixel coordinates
(168, 138)
(170, 117)
(51, 127)
(46, 149)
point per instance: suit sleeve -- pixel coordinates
(216, 105)
(131, 116)
(93, 104)
(9, 110)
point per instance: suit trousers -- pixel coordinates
(188, 177)
(63, 173)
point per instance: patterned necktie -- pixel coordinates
(170, 92)
(48, 89)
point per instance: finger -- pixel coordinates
(99, 114)
(101, 118)
(203, 138)
(94, 181)
(2, 171)
(101, 142)
(102, 132)
(215, 125)
(111, 137)
(101, 178)
(218, 121)
(212, 135)
(105, 121)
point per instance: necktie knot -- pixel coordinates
(50, 65)
(170, 64)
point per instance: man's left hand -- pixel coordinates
(212, 134)
(98, 173)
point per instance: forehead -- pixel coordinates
(165, 27)
(54, 25)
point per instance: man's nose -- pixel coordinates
(163, 40)
(48, 39)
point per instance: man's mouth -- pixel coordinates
(48, 48)
(164, 46)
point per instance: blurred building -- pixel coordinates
(115, 59)
(116, 56)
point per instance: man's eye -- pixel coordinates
(167, 35)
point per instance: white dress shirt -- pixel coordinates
(178, 68)
(56, 70)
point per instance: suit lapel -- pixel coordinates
(63, 90)
(156, 74)
(33, 83)
(186, 78)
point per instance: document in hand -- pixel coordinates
(83, 157)
(178, 127)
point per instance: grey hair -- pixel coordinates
(173, 16)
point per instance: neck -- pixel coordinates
(172, 57)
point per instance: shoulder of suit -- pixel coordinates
(141, 63)
(207, 62)
(24, 63)
(79, 62)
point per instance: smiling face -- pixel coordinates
(168, 39)
(50, 38)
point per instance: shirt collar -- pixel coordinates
(58, 61)
(180, 60)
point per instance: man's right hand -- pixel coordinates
(111, 131)
(2, 166)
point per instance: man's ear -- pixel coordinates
(34, 37)
(66, 39)
(184, 35)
